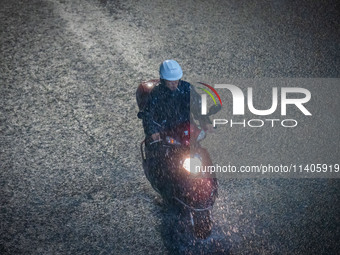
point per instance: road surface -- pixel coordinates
(71, 176)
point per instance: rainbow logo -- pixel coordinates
(209, 93)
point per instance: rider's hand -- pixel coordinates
(156, 137)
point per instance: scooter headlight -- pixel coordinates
(193, 164)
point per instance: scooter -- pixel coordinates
(179, 176)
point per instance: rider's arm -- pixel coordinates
(150, 125)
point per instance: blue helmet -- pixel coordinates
(170, 70)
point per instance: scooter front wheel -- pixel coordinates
(202, 223)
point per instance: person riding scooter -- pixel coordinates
(171, 151)
(168, 105)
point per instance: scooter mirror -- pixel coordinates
(214, 109)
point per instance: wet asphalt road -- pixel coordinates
(71, 178)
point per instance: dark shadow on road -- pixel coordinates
(178, 238)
